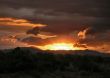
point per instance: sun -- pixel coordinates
(59, 46)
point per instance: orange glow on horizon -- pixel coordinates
(59, 46)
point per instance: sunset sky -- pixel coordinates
(84, 23)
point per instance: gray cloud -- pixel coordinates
(8, 41)
(34, 31)
(99, 26)
(66, 12)
(37, 41)
(20, 12)
(63, 17)
(91, 7)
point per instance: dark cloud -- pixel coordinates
(34, 40)
(91, 7)
(99, 26)
(97, 41)
(77, 11)
(67, 14)
(38, 41)
(34, 31)
(62, 17)
(7, 42)
(97, 34)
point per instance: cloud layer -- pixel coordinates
(86, 22)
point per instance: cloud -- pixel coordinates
(38, 32)
(8, 42)
(99, 26)
(21, 12)
(67, 14)
(88, 19)
(96, 36)
(98, 41)
(82, 34)
(18, 22)
(10, 24)
(90, 8)
(34, 31)
(38, 41)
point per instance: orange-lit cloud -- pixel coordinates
(18, 22)
(43, 36)
(82, 34)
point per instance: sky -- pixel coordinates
(85, 23)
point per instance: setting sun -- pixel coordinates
(59, 46)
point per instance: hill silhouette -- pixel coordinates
(28, 62)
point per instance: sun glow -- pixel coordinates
(59, 46)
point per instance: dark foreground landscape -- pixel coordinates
(34, 63)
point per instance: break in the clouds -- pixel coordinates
(86, 22)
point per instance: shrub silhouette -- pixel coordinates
(41, 62)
